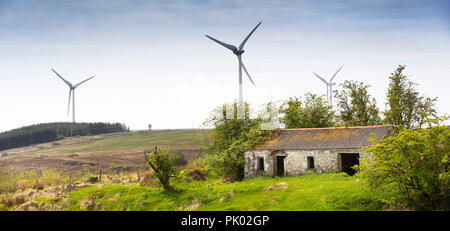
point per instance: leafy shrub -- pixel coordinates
(229, 139)
(414, 162)
(163, 165)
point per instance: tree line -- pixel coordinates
(49, 132)
(405, 106)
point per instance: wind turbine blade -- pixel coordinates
(245, 69)
(67, 82)
(321, 78)
(68, 105)
(231, 47)
(248, 36)
(335, 73)
(83, 82)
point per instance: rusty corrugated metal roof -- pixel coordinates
(324, 138)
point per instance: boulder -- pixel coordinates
(283, 185)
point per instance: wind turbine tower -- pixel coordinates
(72, 93)
(238, 52)
(329, 86)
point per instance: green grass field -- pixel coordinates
(315, 192)
(170, 140)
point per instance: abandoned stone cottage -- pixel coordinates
(298, 151)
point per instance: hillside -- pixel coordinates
(47, 132)
(108, 151)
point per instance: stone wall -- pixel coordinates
(295, 161)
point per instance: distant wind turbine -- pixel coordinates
(238, 52)
(72, 89)
(329, 86)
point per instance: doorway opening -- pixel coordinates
(348, 160)
(280, 165)
(310, 162)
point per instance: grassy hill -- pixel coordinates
(171, 140)
(92, 153)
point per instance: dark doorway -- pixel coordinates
(310, 162)
(280, 165)
(348, 160)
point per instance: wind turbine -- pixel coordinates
(329, 86)
(72, 89)
(238, 52)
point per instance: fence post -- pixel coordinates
(100, 176)
(37, 186)
(70, 182)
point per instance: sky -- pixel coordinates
(153, 64)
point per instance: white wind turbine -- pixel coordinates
(329, 86)
(72, 89)
(238, 52)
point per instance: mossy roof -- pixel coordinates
(324, 138)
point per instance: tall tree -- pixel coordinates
(405, 106)
(356, 107)
(312, 112)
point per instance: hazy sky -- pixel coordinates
(153, 63)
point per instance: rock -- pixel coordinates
(56, 190)
(98, 207)
(83, 186)
(191, 207)
(283, 185)
(51, 207)
(68, 188)
(29, 206)
(32, 194)
(87, 203)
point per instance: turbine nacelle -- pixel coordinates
(238, 52)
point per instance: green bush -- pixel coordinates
(229, 139)
(413, 162)
(163, 165)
